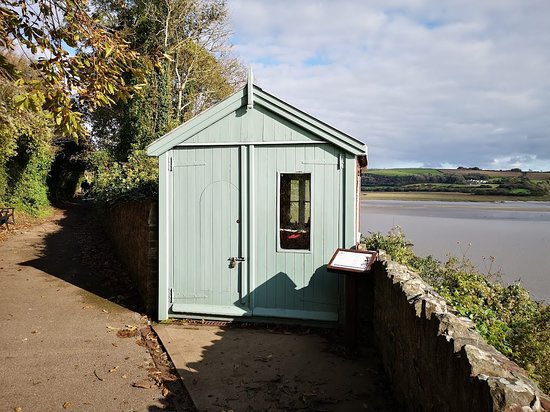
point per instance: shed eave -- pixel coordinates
(311, 123)
(239, 99)
(196, 124)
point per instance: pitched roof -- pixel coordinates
(240, 99)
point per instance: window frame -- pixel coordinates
(311, 212)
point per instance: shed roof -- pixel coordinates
(240, 100)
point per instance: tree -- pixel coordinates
(78, 59)
(188, 40)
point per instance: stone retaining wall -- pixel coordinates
(133, 229)
(435, 360)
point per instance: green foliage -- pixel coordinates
(505, 316)
(27, 172)
(135, 179)
(185, 44)
(25, 153)
(80, 58)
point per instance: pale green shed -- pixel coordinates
(254, 198)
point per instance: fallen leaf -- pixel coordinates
(66, 405)
(17, 409)
(127, 333)
(112, 328)
(113, 369)
(104, 311)
(143, 385)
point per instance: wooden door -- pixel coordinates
(207, 232)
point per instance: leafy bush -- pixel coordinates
(132, 180)
(26, 153)
(505, 316)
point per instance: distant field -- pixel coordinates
(497, 173)
(404, 172)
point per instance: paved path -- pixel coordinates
(262, 369)
(59, 347)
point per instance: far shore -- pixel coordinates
(448, 197)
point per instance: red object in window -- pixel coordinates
(294, 236)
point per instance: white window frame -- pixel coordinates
(311, 211)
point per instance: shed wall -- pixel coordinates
(295, 283)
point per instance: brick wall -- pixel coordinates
(434, 359)
(133, 229)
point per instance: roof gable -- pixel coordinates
(270, 119)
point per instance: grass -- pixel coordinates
(446, 197)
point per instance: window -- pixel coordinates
(295, 211)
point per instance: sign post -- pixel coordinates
(354, 264)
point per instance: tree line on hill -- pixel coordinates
(477, 182)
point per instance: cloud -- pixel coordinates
(421, 82)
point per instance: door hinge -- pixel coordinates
(170, 164)
(171, 295)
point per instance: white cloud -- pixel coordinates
(421, 82)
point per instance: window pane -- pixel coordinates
(295, 211)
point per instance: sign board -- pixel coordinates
(352, 261)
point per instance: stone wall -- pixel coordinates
(133, 229)
(434, 359)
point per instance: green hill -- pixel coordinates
(473, 181)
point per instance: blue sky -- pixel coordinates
(424, 83)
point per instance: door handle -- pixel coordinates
(234, 260)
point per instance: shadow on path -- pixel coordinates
(79, 253)
(274, 368)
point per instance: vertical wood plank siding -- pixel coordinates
(297, 280)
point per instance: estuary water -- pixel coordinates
(516, 234)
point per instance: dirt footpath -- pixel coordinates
(64, 343)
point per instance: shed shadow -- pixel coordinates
(271, 366)
(265, 367)
(318, 300)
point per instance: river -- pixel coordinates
(516, 234)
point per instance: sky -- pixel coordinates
(442, 83)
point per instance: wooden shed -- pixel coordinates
(254, 198)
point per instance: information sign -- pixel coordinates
(353, 261)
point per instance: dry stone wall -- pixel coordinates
(435, 360)
(133, 229)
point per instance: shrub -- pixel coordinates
(505, 316)
(132, 180)
(25, 153)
